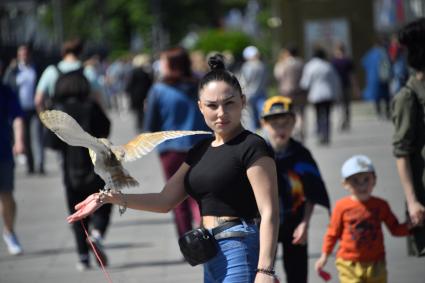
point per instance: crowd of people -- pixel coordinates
(253, 183)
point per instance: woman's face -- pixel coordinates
(164, 68)
(222, 107)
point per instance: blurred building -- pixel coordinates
(20, 24)
(355, 23)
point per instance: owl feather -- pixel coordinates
(107, 158)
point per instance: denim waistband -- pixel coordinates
(221, 231)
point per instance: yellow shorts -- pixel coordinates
(361, 272)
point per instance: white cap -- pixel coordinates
(250, 52)
(356, 164)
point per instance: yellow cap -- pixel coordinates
(277, 105)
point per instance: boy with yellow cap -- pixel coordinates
(300, 185)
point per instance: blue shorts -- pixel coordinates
(237, 257)
(7, 176)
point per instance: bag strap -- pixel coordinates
(226, 225)
(79, 70)
(58, 70)
(229, 224)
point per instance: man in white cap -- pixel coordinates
(253, 80)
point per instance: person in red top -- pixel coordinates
(356, 224)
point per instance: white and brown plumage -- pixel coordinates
(107, 158)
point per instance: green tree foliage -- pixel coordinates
(110, 23)
(181, 16)
(220, 40)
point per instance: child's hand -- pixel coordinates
(409, 224)
(321, 262)
(300, 234)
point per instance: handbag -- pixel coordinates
(198, 246)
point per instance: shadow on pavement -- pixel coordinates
(126, 223)
(148, 264)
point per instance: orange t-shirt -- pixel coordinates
(357, 225)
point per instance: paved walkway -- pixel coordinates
(142, 246)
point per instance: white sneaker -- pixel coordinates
(82, 266)
(12, 243)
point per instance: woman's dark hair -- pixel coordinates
(219, 73)
(412, 36)
(179, 64)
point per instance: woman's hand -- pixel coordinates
(416, 212)
(85, 208)
(300, 234)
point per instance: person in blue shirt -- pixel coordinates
(11, 120)
(21, 76)
(300, 185)
(377, 68)
(172, 105)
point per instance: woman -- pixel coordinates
(409, 135)
(171, 105)
(231, 175)
(321, 81)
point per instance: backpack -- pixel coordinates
(71, 95)
(78, 165)
(72, 83)
(78, 168)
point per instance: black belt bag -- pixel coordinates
(199, 245)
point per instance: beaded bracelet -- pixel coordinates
(101, 196)
(121, 207)
(269, 272)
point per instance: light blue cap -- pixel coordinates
(356, 164)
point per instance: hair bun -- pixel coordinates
(216, 62)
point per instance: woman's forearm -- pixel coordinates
(404, 171)
(268, 240)
(171, 195)
(153, 202)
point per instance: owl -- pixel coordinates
(107, 158)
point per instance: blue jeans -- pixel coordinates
(236, 259)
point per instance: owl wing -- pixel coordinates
(69, 131)
(146, 142)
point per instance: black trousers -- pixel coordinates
(295, 257)
(28, 116)
(99, 220)
(323, 113)
(346, 109)
(379, 111)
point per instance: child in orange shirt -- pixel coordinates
(356, 223)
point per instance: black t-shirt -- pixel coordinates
(217, 178)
